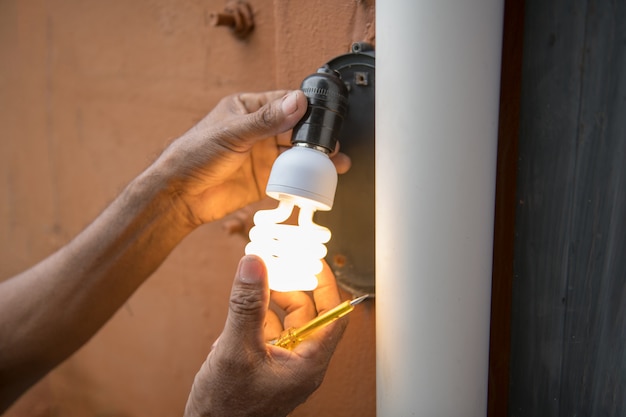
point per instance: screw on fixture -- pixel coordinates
(340, 260)
(360, 47)
(237, 15)
(361, 78)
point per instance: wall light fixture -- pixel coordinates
(304, 177)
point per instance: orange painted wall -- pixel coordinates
(90, 92)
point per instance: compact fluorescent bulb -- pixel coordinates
(302, 176)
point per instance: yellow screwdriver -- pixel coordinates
(290, 338)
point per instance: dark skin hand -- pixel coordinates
(243, 375)
(220, 165)
(240, 171)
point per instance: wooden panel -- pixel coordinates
(594, 358)
(568, 328)
(547, 149)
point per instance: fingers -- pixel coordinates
(342, 162)
(273, 326)
(300, 309)
(297, 305)
(326, 295)
(248, 305)
(275, 117)
(274, 113)
(254, 101)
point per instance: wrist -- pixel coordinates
(156, 187)
(178, 171)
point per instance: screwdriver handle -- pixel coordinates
(291, 337)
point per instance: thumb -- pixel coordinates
(273, 118)
(249, 299)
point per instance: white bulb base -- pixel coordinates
(305, 173)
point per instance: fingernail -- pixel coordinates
(250, 270)
(290, 103)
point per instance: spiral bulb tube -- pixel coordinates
(292, 253)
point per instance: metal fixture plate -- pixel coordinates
(351, 251)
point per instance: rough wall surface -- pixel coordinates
(90, 92)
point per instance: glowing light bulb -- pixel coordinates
(292, 253)
(305, 178)
(302, 176)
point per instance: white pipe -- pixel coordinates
(437, 93)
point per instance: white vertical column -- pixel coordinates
(437, 93)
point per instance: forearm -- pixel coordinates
(49, 311)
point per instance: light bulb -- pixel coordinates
(292, 253)
(305, 178)
(302, 176)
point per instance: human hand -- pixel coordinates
(223, 162)
(243, 375)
